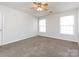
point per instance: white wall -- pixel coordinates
(17, 25)
(53, 26)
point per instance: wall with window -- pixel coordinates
(62, 25)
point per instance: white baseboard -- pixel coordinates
(29, 36)
(59, 38)
(17, 40)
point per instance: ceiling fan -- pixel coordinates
(40, 6)
(40, 9)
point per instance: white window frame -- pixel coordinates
(62, 31)
(42, 25)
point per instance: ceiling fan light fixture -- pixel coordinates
(40, 6)
(39, 9)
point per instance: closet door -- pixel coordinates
(0, 36)
(1, 30)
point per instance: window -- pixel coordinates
(42, 25)
(67, 24)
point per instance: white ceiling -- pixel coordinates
(53, 6)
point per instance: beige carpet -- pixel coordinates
(40, 47)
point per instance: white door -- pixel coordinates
(1, 28)
(0, 37)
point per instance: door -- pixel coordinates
(1, 26)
